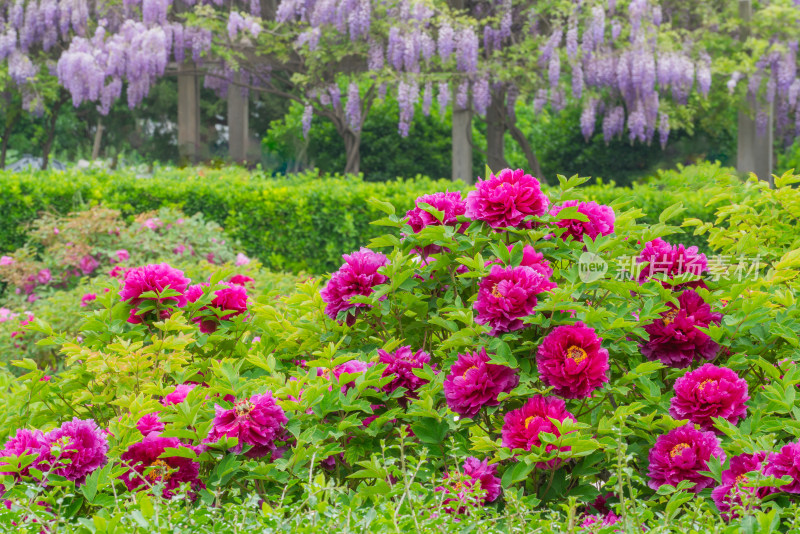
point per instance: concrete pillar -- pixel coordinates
(238, 123)
(188, 113)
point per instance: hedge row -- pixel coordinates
(303, 222)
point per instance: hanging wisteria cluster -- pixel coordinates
(621, 79)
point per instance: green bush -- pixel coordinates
(304, 222)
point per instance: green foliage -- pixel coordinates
(302, 222)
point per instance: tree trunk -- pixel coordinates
(188, 113)
(51, 132)
(352, 148)
(98, 138)
(496, 130)
(238, 123)
(462, 145)
(10, 123)
(525, 145)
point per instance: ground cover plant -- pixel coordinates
(506, 359)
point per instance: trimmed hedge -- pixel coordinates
(299, 223)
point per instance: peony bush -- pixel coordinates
(506, 358)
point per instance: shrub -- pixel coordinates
(299, 223)
(309, 407)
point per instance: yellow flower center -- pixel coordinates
(243, 407)
(528, 421)
(160, 471)
(468, 370)
(740, 479)
(576, 354)
(704, 383)
(495, 292)
(670, 317)
(677, 449)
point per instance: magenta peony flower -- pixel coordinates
(675, 339)
(120, 255)
(179, 249)
(731, 492)
(145, 468)
(473, 383)
(785, 462)
(357, 276)
(505, 199)
(153, 277)
(43, 276)
(232, 298)
(194, 292)
(77, 448)
(150, 423)
(449, 203)
(25, 443)
(506, 295)
(522, 427)
(681, 454)
(241, 259)
(88, 264)
(598, 521)
(534, 260)
(673, 261)
(707, 392)
(87, 298)
(601, 220)
(476, 485)
(256, 421)
(178, 394)
(351, 368)
(573, 361)
(400, 365)
(241, 280)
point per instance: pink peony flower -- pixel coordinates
(449, 203)
(88, 264)
(673, 261)
(43, 276)
(77, 448)
(506, 199)
(153, 223)
(573, 361)
(785, 462)
(179, 249)
(601, 220)
(522, 427)
(241, 280)
(6, 315)
(25, 443)
(120, 255)
(210, 258)
(194, 292)
(6, 260)
(178, 394)
(707, 392)
(256, 421)
(476, 485)
(598, 521)
(87, 298)
(400, 365)
(118, 271)
(357, 276)
(153, 277)
(231, 299)
(150, 423)
(351, 368)
(534, 260)
(675, 338)
(680, 455)
(731, 492)
(241, 259)
(146, 467)
(473, 383)
(506, 295)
